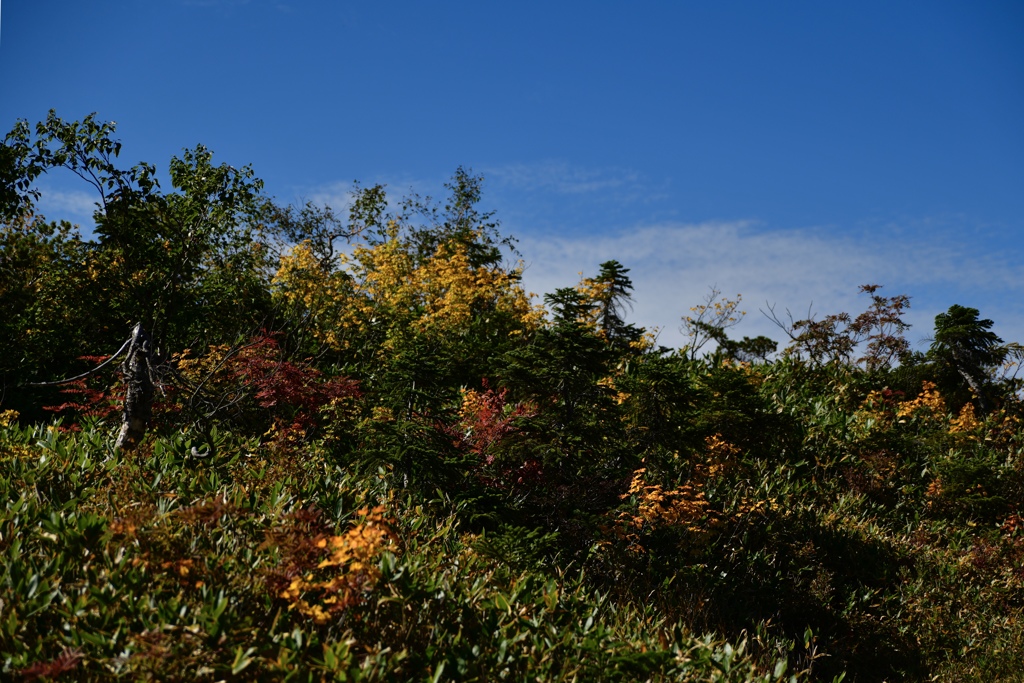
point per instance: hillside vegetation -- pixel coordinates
(349, 446)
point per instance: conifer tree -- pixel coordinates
(967, 347)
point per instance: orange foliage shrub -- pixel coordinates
(352, 569)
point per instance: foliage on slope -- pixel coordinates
(379, 460)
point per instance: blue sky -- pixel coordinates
(788, 151)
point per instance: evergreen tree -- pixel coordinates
(964, 351)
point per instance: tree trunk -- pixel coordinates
(138, 400)
(976, 388)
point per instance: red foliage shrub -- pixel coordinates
(250, 385)
(68, 660)
(281, 385)
(255, 386)
(87, 401)
(486, 420)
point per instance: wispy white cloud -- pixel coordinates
(673, 265)
(74, 205)
(337, 195)
(559, 177)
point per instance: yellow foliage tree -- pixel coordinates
(386, 287)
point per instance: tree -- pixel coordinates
(420, 302)
(711, 320)
(611, 292)
(560, 368)
(459, 220)
(189, 266)
(967, 347)
(180, 262)
(48, 318)
(837, 337)
(320, 228)
(17, 173)
(748, 349)
(881, 328)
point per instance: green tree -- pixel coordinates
(612, 293)
(190, 265)
(48, 318)
(964, 351)
(17, 173)
(459, 220)
(561, 367)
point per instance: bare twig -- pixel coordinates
(84, 374)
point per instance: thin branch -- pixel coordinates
(84, 374)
